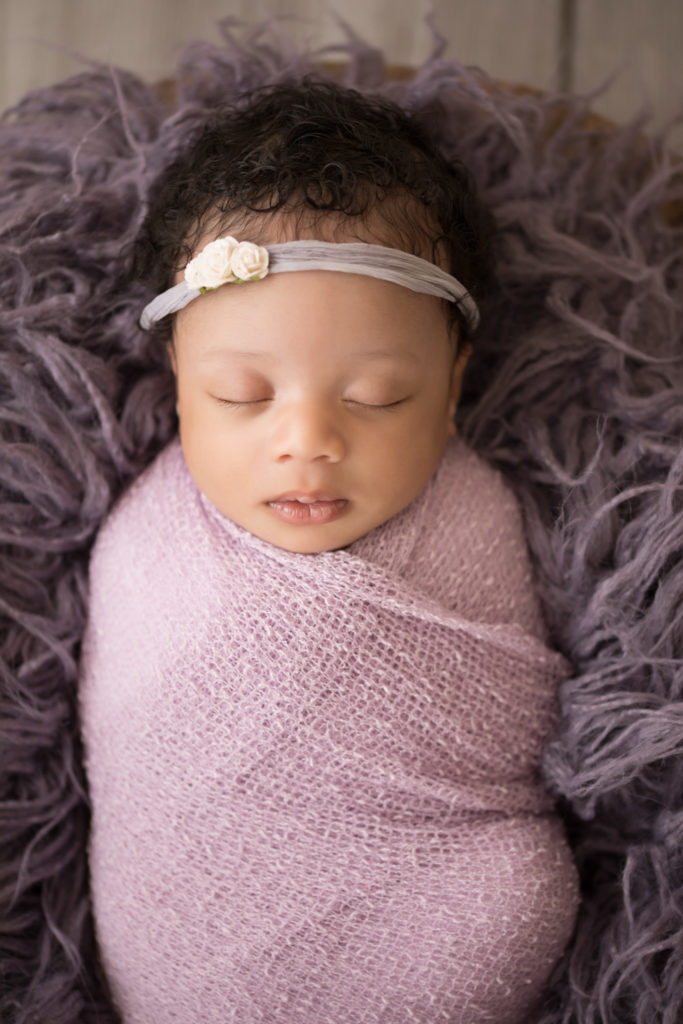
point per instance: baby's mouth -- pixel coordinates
(302, 510)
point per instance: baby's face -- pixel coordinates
(314, 405)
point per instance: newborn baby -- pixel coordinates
(315, 688)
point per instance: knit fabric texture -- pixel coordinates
(315, 778)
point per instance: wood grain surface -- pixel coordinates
(547, 44)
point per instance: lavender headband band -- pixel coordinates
(227, 261)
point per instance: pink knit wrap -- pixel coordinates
(314, 778)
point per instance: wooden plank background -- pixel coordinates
(572, 44)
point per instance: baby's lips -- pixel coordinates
(303, 509)
(307, 497)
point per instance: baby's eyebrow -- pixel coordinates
(228, 353)
(364, 354)
(377, 354)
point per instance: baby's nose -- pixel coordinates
(308, 431)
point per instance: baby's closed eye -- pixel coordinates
(243, 401)
(376, 404)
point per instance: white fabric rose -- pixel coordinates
(249, 262)
(212, 267)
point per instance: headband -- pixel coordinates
(227, 261)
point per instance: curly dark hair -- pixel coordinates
(312, 159)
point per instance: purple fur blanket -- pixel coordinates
(575, 392)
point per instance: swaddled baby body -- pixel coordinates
(315, 688)
(315, 778)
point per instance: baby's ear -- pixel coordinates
(170, 348)
(457, 375)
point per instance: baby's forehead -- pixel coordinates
(331, 242)
(312, 318)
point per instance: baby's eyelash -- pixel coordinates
(350, 401)
(230, 402)
(370, 405)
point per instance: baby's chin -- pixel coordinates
(314, 550)
(301, 545)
